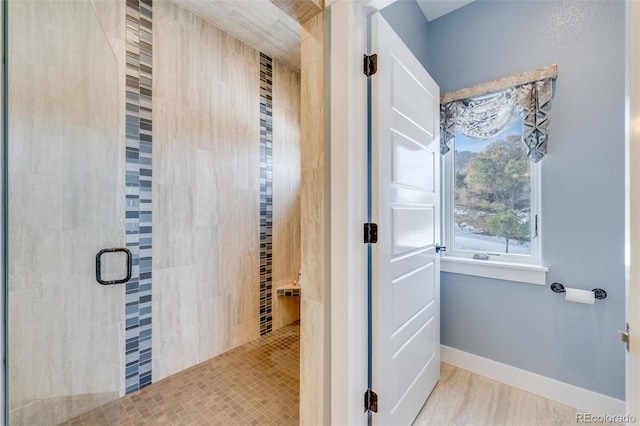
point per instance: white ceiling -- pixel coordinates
(433, 9)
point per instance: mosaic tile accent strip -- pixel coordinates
(266, 194)
(288, 292)
(138, 193)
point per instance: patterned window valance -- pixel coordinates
(487, 115)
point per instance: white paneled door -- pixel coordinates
(406, 207)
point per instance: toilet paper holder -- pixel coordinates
(598, 292)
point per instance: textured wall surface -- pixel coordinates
(206, 259)
(206, 294)
(286, 190)
(582, 190)
(409, 23)
(312, 209)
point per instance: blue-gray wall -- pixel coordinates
(408, 21)
(582, 217)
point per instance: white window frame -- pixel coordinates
(510, 267)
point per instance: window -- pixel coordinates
(498, 132)
(491, 198)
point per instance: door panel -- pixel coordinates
(66, 202)
(411, 295)
(405, 204)
(413, 228)
(409, 159)
(408, 361)
(408, 97)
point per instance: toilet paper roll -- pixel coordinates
(580, 296)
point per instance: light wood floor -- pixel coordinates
(462, 398)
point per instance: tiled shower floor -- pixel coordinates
(254, 384)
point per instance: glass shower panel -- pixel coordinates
(66, 170)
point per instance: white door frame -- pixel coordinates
(632, 213)
(4, 275)
(348, 120)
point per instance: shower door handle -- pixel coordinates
(99, 265)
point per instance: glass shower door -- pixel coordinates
(66, 202)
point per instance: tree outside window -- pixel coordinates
(492, 198)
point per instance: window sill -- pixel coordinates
(519, 272)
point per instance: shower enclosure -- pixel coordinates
(78, 180)
(66, 202)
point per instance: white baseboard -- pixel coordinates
(564, 393)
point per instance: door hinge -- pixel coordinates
(370, 401)
(624, 336)
(370, 233)
(535, 234)
(370, 64)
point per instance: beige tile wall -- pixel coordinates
(312, 209)
(286, 190)
(206, 190)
